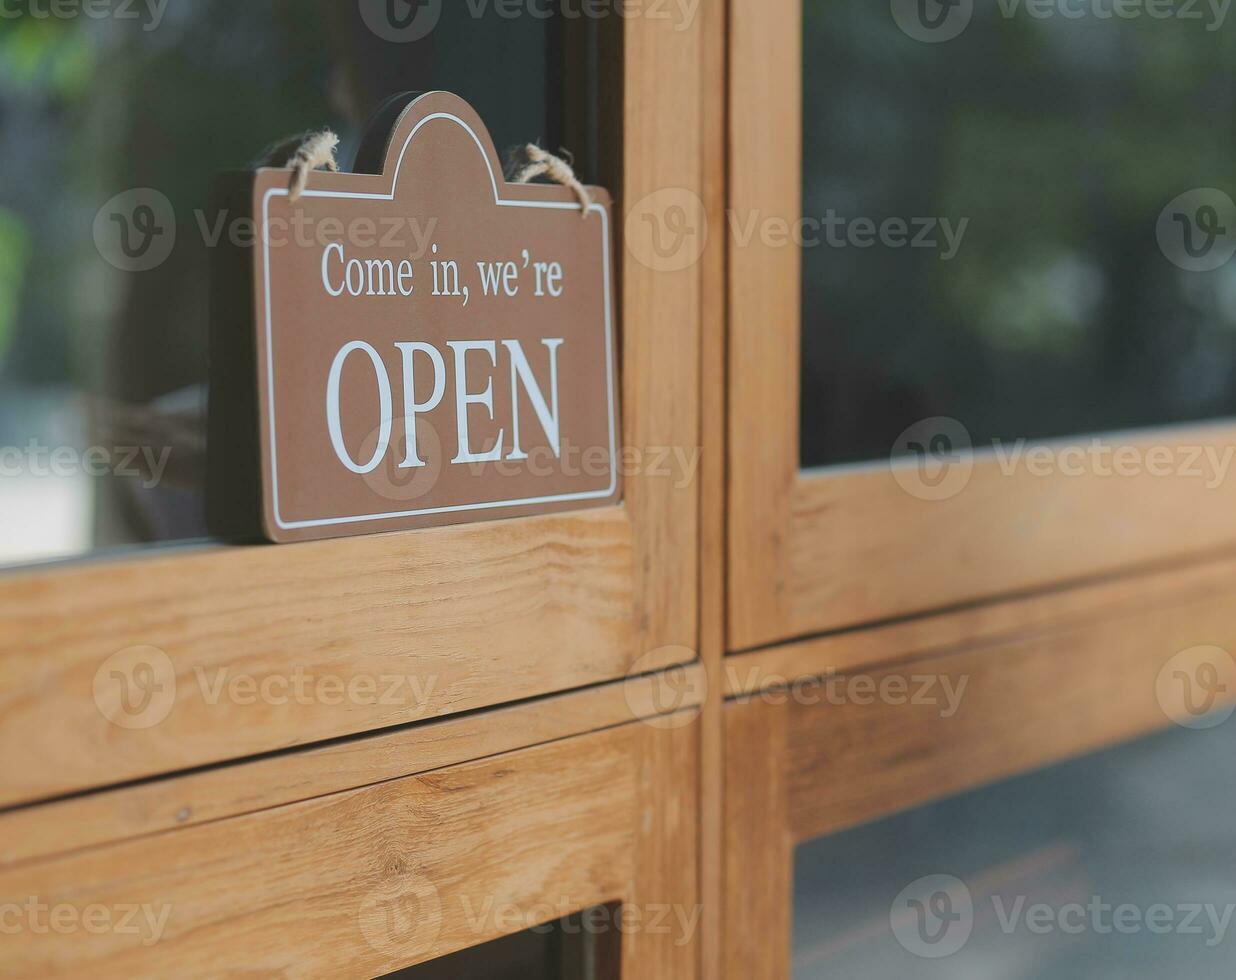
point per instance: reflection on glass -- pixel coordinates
(103, 368)
(1019, 221)
(1121, 865)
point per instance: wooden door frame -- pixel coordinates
(1065, 674)
(815, 551)
(395, 871)
(480, 615)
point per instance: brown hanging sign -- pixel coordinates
(430, 343)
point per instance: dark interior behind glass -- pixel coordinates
(94, 356)
(568, 949)
(1060, 142)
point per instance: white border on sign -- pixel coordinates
(498, 200)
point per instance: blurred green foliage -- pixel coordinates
(45, 54)
(1061, 141)
(93, 106)
(14, 254)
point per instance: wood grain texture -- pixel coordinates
(472, 615)
(361, 883)
(217, 793)
(662, 149)
(758, 879)
(986, 623)
(818, 551)
(806, 763)
(765, 145)
(666, 856)
(479, 615)
(1027, 704)
(712, 489)
(864, 549)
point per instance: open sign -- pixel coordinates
(476, 356)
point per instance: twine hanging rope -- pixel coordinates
(304, 154)
(542, 163)
(316, 151)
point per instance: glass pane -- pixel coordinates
(569, 949)
(1120, 865)
(1017, 216)
(102, 370)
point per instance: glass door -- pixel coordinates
(980, 282)
(117, 591)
